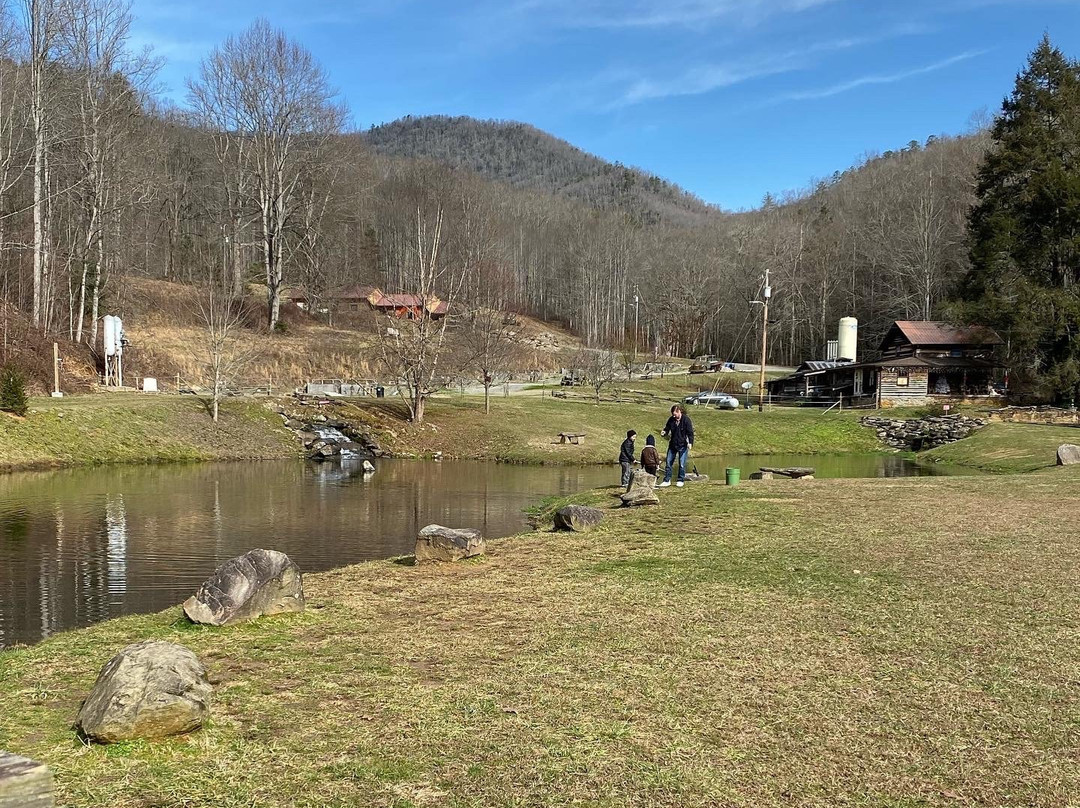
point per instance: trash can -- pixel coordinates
(732, 475)
(380, 391)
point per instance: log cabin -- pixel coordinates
(919, 362)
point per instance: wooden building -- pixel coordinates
(355, 299)
(919, 362)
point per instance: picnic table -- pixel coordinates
(576, 438)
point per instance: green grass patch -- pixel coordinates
(1006, 448)
(128, 428)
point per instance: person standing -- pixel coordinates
(626, 457)
(679, 431)
(650, 458)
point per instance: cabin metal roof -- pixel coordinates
(932, 332)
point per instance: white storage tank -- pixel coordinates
(848, 338)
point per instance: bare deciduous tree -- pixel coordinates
(272, 108)
(223, 353)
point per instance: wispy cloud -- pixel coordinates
(708, 78)
(881, 78)
(661, 13)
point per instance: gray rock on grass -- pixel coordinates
(150, 690)
(260, 582)
(577, 518)
(25, 783)
(642, 490)
(438, 543)
(1068, 454)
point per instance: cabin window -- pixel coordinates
(902, 378)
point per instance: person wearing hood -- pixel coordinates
(626, 457)
(650, 458)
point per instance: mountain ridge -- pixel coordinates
(526, 157)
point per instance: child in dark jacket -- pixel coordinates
(626, 457)
(650, 458)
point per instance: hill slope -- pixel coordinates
(525, 157)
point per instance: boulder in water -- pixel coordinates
(151, 689)
(1068, 454)
(438, 543)
(260, 582)
(577, 518)
(368, 467)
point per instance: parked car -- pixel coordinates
(724, 401)
(572, 380)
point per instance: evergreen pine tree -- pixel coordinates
(1025, 228)
(12, 391)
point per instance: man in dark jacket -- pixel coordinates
(626, 457)
(680, 434)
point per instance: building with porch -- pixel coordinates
(919, 362)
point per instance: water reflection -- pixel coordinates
(80, 546)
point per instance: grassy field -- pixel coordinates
(1007, 448)
(129, 428)
(525, 429)
(833, 643)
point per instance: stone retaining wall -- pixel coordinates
(919, 434)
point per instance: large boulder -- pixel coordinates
(257, 583)
(642, 490)
(438, 543)
(151, 689)
(1068, 454)
(577, 518)
(25, 783)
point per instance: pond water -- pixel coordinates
(83, 545)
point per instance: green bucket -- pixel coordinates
(732, 475)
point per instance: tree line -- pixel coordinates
(258, 178)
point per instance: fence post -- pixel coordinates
(840, 403)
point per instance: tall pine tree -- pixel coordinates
(1025, 229)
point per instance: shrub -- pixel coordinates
(12, 390)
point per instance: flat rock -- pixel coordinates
(25, 783)
(438, 543)
(794, 472)
(761, 475)
(577, 518)
(151, 689)
(260, 582)
(1068, 454)
(697, 478)
(642, 490)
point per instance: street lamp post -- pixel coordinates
(766, 294)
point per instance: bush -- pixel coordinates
(12, 390)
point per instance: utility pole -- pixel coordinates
(636, 301)
(766, 294)
(56, 370)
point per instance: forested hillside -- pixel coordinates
(99, 182)
(524, 157)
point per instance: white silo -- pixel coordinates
(847, 338)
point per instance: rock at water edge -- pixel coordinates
(438, 543)
(368, 467)
(577, 518)
(697, 478)
(761, 475)
(642, 490)
(151, 689)
(1068, 454)
(260, 582)
(25, 783)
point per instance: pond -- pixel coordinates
(83, 545)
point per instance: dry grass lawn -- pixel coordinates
(833, 643)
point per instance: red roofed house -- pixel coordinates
(359, 298)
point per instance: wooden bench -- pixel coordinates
(576, 438)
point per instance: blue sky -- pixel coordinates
(728, 98)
